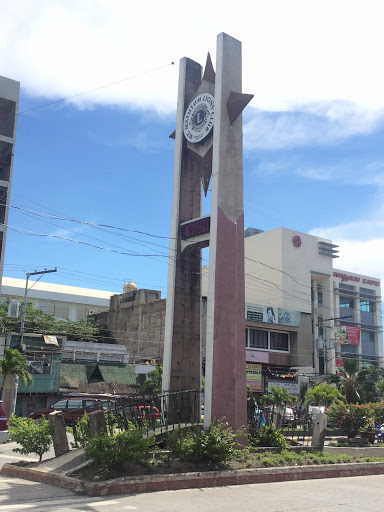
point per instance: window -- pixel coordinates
(367, 305)
(346, 302)
(268, 340)
(279, 341)
(60, 405)
(258, 339)
(319, 293)
(75, 404)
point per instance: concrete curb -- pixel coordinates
(150, 483)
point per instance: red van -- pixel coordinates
(72, 408)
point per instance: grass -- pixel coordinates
(246, 458)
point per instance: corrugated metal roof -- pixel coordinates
(74, 371)
(118, 374)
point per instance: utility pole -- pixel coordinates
(22, 325)
(19, 345)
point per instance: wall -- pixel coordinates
(139, 327)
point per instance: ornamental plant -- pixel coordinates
(378, 411)
(114, 449)
(31, 436)
(214, 445)
(267, 436)
(352, 418)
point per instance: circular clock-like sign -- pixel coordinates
(198, 119)
(296, 240)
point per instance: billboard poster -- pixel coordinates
(347, 334)
(272, 314)
(253, 376)
(291, 387)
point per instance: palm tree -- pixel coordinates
(358, 386)
(14, 363)
(154, 382)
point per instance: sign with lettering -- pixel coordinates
(253, 376)
(347, 334)
(272, 315)
(198, 119)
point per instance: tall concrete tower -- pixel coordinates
(9, 102)
(208, 140)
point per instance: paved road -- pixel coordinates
(7, 455)
(339, 494)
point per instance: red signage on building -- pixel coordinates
(338, 363)
(347, 334)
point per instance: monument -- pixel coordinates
(208, 146)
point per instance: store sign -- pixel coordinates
(350, 277)
(291, 387)
(338, 363)
(253, 376)
(272, 314)
(347, 334)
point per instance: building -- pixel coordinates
(60, 366)
(64, 302)
(302, 314)
(9, 103)
(136, 318)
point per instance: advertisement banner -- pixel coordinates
(253, 376)
(347, 334)
(338, 363)
(291, 387)
(272, 315)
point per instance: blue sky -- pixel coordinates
(313, 151)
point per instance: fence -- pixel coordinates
(151, 413)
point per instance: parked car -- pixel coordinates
(288, 416)
(3, 418)
(72, 409)
(146, 412)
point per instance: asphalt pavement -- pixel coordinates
(363, 493)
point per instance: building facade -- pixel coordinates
(302, 315)
(64, 302)
(9, 103)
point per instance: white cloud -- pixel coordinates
(294, 53)
(315, 124)
(361, 244)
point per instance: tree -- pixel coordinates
(154, 382)
(12, 364)
(323, 394)
(33, 437)
(40, 322)
(278, 398)
(358, 386)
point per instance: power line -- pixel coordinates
(96, 88)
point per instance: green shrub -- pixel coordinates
(214, 445)
(32, 437)
(110, 450)
(351, 418)
(267, 436)
(81, 432)
(378, 412)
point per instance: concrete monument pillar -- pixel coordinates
(207, 106)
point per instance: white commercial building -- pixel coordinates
(64, 302)
(303, 316)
